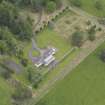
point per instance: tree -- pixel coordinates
(37, 4)
(24, 61)
(3, 47)
(51, 6)
(34, 76)
(98, 5)
(7, 13)
(77, 39)
(91, 33)
(76, 3)
(7, 41)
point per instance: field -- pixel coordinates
(84, 86)
(89, 6)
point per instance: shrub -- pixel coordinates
(51, 6)
(91, 33)
(77, 39)
(24, 61)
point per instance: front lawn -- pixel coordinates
(83, 86)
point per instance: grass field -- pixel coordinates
(89, 6)
(83, 86)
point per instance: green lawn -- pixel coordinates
(83, 86)
(5, 93)
(48, 37)
(89, 6)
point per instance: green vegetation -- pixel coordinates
(34, 76)
(7, 46)
(38, 4)
(10, 17)
(5, 92)
(92, 32)
(51, 6)
(85, 85)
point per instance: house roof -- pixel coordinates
(44, 58)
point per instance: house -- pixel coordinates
(45, 58)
